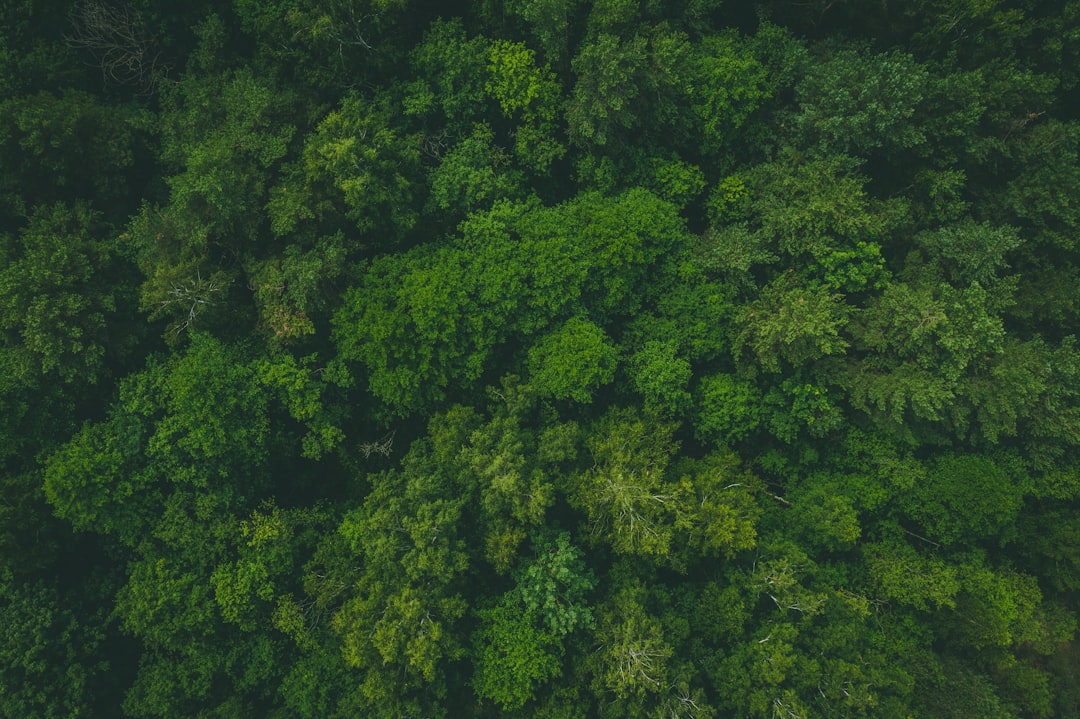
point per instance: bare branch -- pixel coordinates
(380, 447)
(195, 295)
(115, 34)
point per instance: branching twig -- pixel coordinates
(381, 447)
(116, 35)
(195, 295)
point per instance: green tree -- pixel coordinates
(553, 586)
(792, 323)
(205, 652)
(633, 654)
(512, 656)
(728, 409)
(628, 502)
(504, 459)
(364, 166)
(452, 71)
(529, 93)
(802, 205)
(968, 253)
(906, 576)
(323, 45)
(640, 507)
(398, 620)
(473, 175)
(925, 339)
(608, 71)
(968, 497)
(728, 84)
(50, 659)
(855, 102)
(204, 419)
(661, 377)
(222, 135)
(519, 641)
(62, 296)
(62, 146)
(431, 318)
(292, 291)
(550, 22)
(572, 361)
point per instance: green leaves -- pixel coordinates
(726, 85)
(809, 206)
(518, 645)
(453, 70)
(59, 292)
(404, 326)
(477, 83)
(658, 82)
(721, 368)
(513, 657)
(270, 545)
(530, 92)
(432, 317)
(369, 164)
(222, 134)
(303, 392)
(572, 361)
(515, 81)
(50, 660)
(792, 323)
(607, 70)
(634, 655)
(628, 502)
(554, 584)
(728, 408)
(200, 420)
(971, 253)
(661, 377)
(970, 497)
(862, 102)
(406, 550)
(66, 146)
(473, 175)
(924, 338)
(639, 507)
(291, 290)
(908, 577)
(95, 483)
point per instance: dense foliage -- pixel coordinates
(540, 358)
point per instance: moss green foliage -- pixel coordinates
(573, 360)
(614, 359)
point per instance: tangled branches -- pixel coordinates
(117, 37)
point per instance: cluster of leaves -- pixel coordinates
(539, 358)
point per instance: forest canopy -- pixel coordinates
(540, 358)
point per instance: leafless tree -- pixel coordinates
(117, 37)
(195, 295)
(381, 447)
